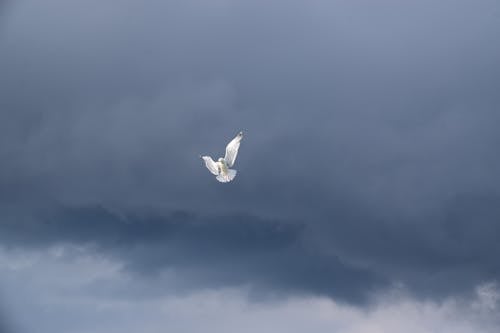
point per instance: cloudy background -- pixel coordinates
(368, 192)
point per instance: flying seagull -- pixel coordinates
(221, 167)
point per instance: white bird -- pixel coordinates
(221, 167)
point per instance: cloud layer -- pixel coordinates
(370, 157)
(80, 292)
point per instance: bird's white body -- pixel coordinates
(221, 168)
(225, 174)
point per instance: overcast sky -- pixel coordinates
(368, 189)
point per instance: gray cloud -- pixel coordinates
(271, 256)
(373, 126)
(72, 295)
(378, 101)
(348, 258)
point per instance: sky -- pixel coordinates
(367, 197)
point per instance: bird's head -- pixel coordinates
(220, 159)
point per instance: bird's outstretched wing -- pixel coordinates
(211, 165)
(232, 149)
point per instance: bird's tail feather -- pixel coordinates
(227, 177)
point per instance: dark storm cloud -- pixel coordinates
(374, 125)
(437, 254)
(270, 256)
(348, 257)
